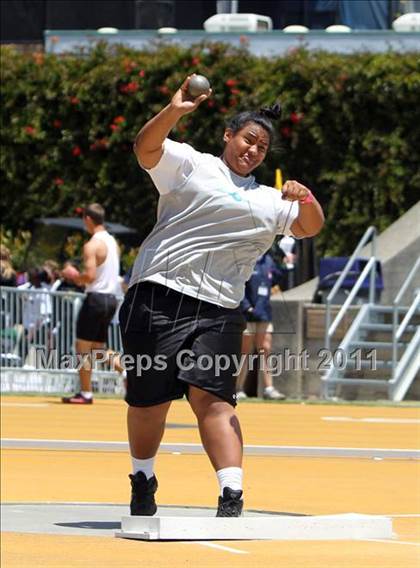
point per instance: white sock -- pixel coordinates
(86, 394)
(146, 466)
(230, 477)
(269, 389)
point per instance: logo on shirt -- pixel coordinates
(233, 194)
(236, 196)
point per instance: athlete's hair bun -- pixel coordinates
(273, 112)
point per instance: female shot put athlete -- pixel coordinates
(181, 310)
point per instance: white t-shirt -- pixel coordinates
(211, 227)
(37, 305)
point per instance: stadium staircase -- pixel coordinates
(381, 349)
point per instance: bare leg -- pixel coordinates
(84, 348)
(263, 344)
(114, 361)
(219, 427)
(146, 426)
(247, 347)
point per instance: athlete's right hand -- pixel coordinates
(182, 101)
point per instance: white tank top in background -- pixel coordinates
(107, 274)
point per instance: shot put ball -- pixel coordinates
(198, 85)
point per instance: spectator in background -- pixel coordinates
(101, 258)
(52, 271)
(59, 311)
(256, 307)
(7, 272)
(37, 308)
(7, 278)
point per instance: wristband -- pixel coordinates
(308, 199)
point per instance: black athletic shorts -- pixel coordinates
(173, 341)
(94, 317)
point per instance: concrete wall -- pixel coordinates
(288, 343)
(298, 339)
(395, 271)
(398, 247)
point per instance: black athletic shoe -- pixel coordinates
(230, 505)
(143, 495)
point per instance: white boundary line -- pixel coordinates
(405, 515)
(196, 448)
(373, 420)
(220, 547)
(102, 504)
(236, 551)
(384, 540)
(25, 404)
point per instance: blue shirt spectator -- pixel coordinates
(256, 304)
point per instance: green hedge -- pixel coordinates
(350, 129)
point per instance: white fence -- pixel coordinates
(38, 333)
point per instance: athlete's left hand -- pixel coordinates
(294, 191)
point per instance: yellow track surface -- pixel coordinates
(301, 485)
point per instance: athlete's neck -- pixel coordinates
(98, 229)
(231, 169)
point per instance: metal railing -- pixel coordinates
(404, 359)
(369, 270)
(38, 328)
(398, 330)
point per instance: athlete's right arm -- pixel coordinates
(89, 266)
(148, 145)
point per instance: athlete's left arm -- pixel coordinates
(310, 219)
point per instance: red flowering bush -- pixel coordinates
(348, 129)
(129, 88)
(99, 144)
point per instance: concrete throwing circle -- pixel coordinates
(187, 523)
(88, 519)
